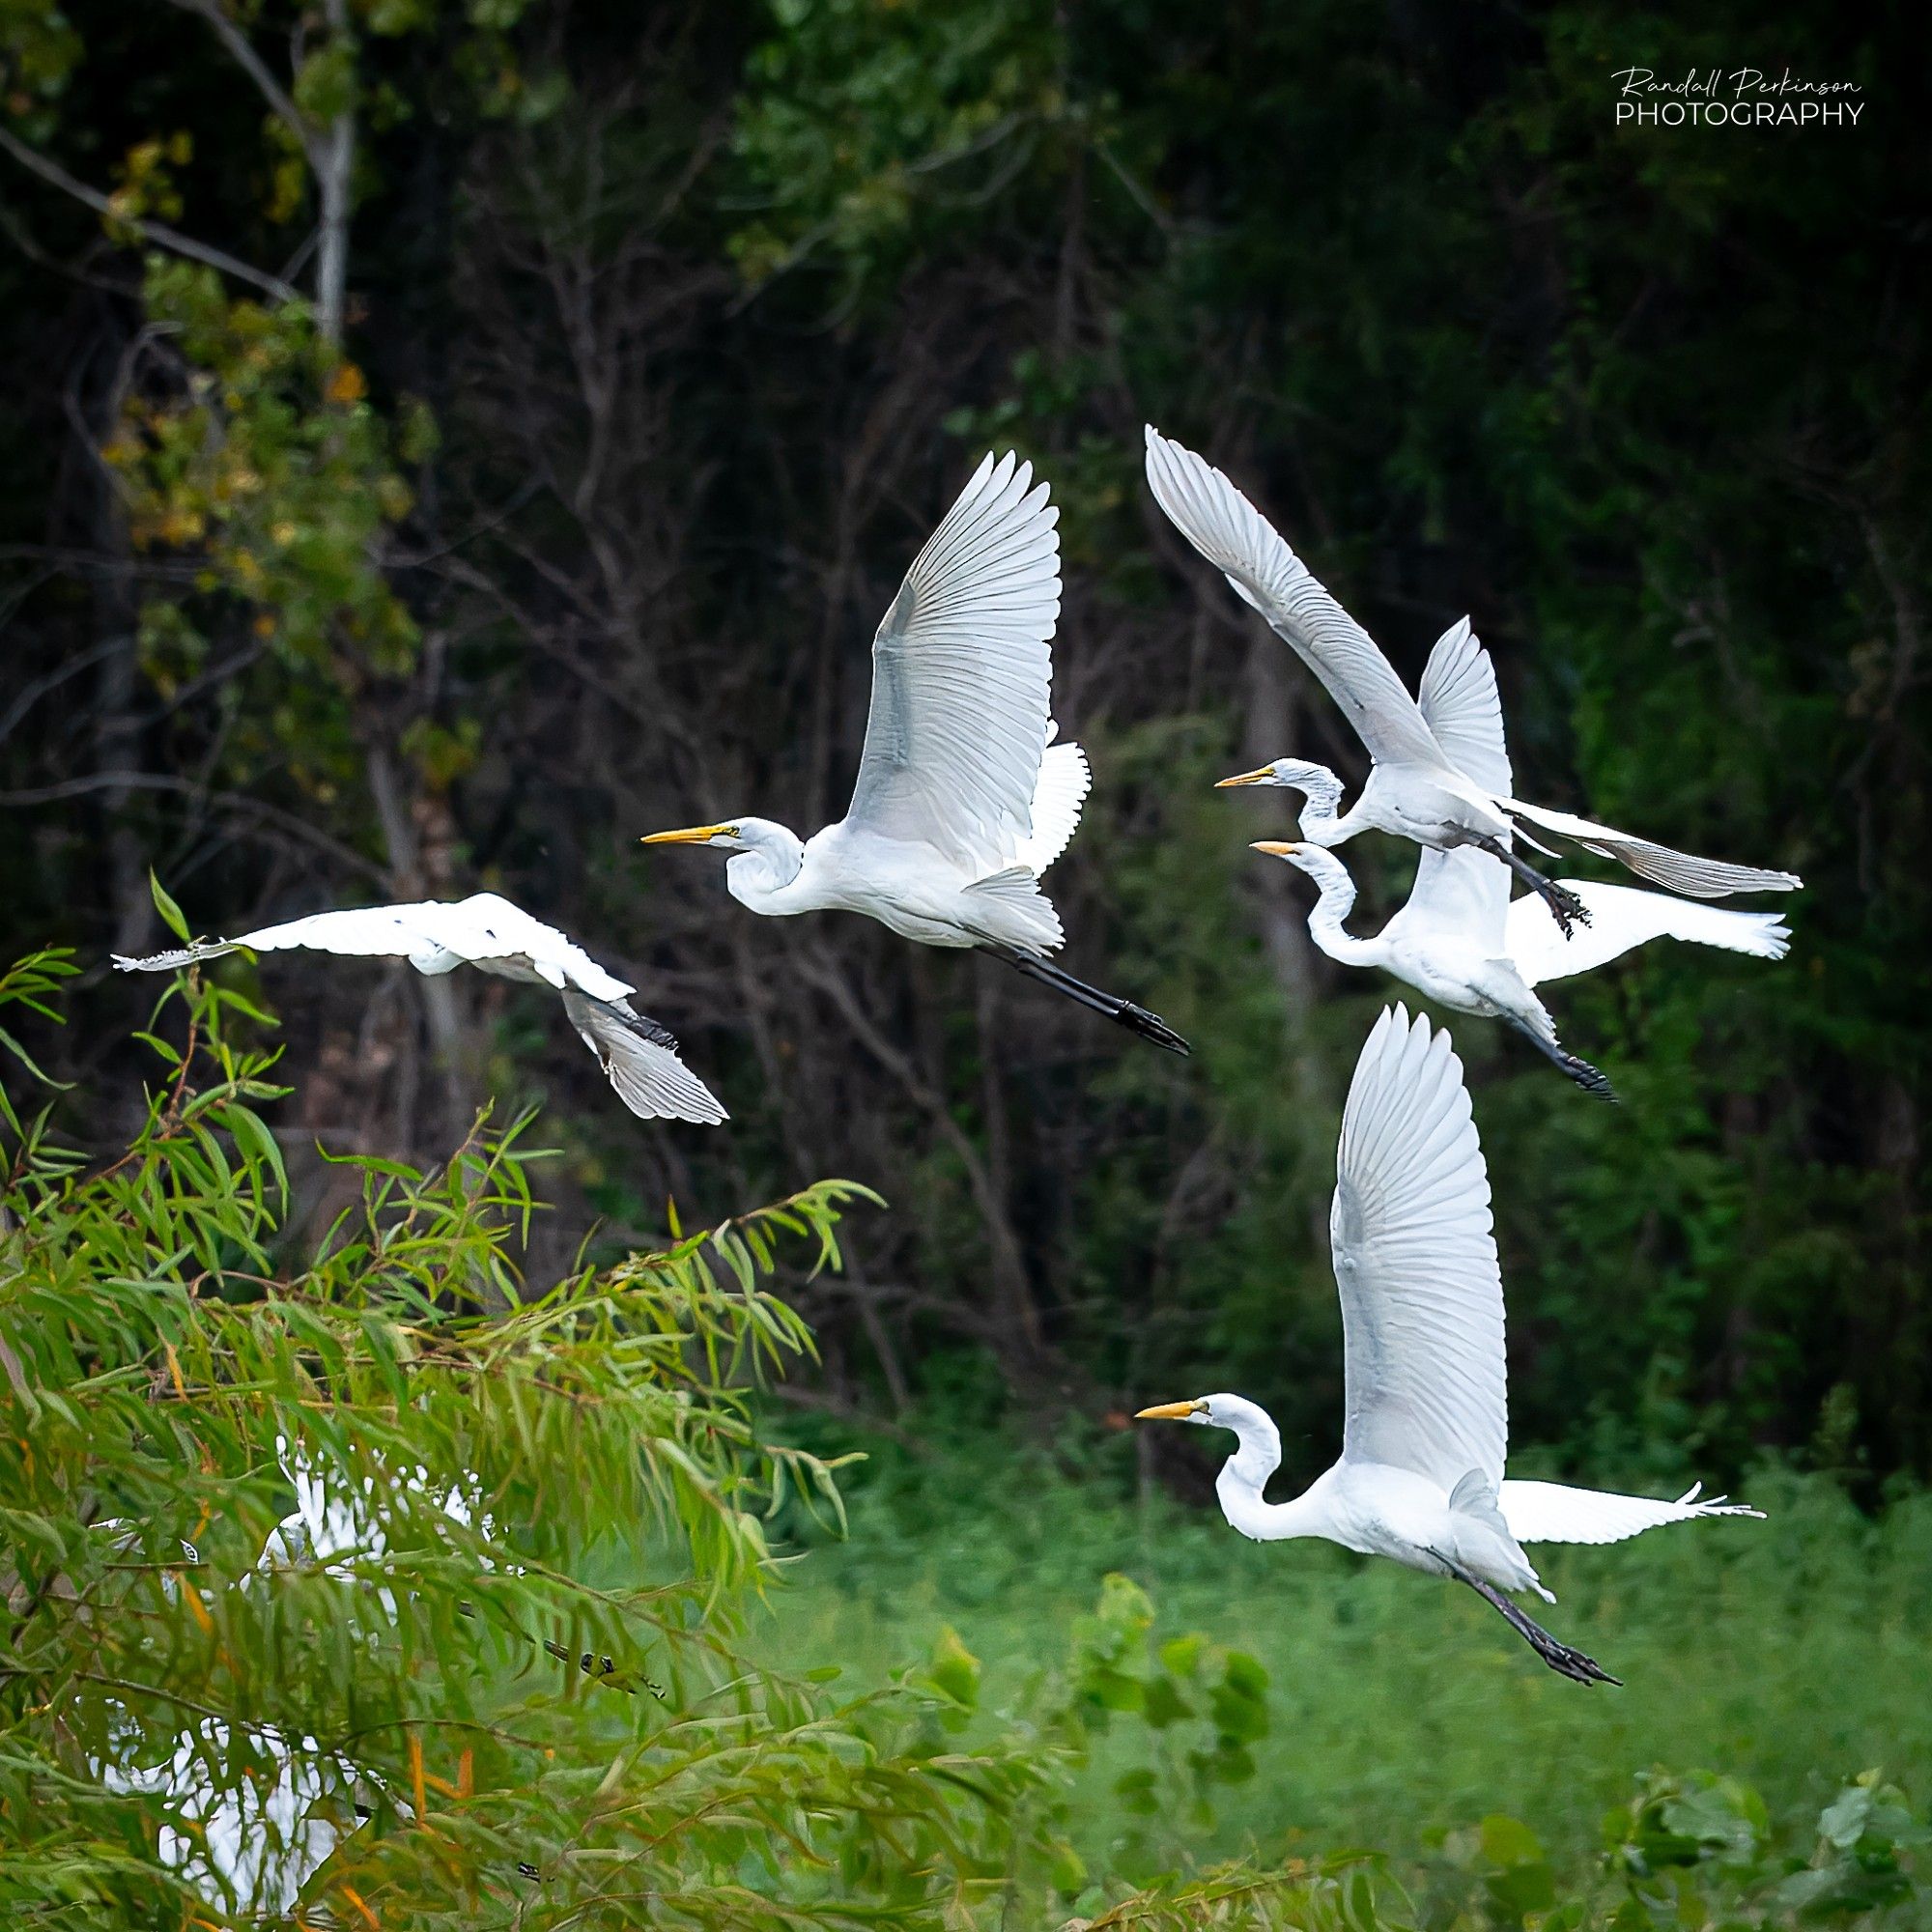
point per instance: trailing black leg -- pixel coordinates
(1591, 1079)
(1567, 909)
(1560, 1658)
(1123, 1012)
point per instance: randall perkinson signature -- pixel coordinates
(1755, 100)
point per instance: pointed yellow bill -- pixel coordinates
(690, 834)
(1253, 777)
(1275, 848)
(1169, 1411)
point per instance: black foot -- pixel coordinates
(1150, 1026)
(1109, 1006)
(1560, 1657)
(1587, 1077)
(1565, 907)
(1568, 1663)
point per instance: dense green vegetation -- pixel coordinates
(554, 1672)
(1779, 1650)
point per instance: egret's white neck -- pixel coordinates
(1325, 915)
(770, 862)
(1320, 793)
(1245, 1473)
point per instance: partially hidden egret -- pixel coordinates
(962, 798)
(1461, 942)
(1420, 784)
(1427, 1410)
(640, 1057)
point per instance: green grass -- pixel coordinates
(1788, 1653)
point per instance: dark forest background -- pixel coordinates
(665, 332)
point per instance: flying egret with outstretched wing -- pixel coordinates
(1459, 940)
(1422, 783)
(1425, 1407)
(962, 798)
(638, 1056)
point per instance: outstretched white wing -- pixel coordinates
(1415, 1261)
(961, 675)
(1550, 1513)
(1234, 537)
(641, 1060)
(1460, 704)
(639, 1055)
(1065, 780)
(433, 935)
(1623, 917)
(1677, 871)
(1464, 891)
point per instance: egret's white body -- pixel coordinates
(1422, 783)
(487, 931)
(962, 798)
(1420, 1478)
(1461, 942)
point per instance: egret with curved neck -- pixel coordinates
(1464, 943)
(1420, 1478)
(1430, 780)
(963, 799)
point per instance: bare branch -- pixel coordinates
(158, 232)
(242, 50)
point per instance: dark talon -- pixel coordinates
(1573, 1665)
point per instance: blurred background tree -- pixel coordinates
(660, 334)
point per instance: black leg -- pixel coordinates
(1568, 910)
(1123, 1012)
(1573, 1065)
(1560, 1658)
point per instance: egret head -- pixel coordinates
(727, 836)
(1320, 866)
(1260, 1441)
(1214, 1411)
(766, 856)
(1296, 772)
(1320, 791)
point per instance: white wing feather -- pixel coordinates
(1065, 780)
(433, 934)
(486, 930)
(1462, 707)
(1463, 892)
(1550, 1513)
(961, 676)
(641, 1058)
(1234, 537)
(1677, 871)
(1415, 1261)
(1626, 917)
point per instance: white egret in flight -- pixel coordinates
(1461, 941)
(1427, 1410)
(1420, 784)
(639, 1055)
(962, 798)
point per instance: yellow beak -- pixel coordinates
(1253, 777)
(690, 834)
(1169, 1411)
(1275, 848)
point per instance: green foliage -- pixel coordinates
(271, 465)
(492, 1478)
(865, 129)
